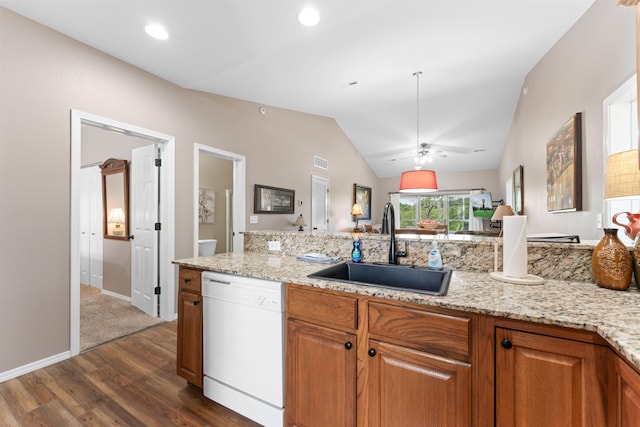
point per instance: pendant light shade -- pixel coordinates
(418, 181)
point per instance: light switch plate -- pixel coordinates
(253, 219)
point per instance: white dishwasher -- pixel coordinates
(243, 345)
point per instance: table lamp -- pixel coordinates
(300, 223)
(356, 211)
(500, 213)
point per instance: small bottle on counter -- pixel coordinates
(435, 259)
(356, 252)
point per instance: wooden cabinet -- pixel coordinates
(321, 348)
(356, 360)
(189, 346)
(624, 394)
(549, 381)
(418, 367)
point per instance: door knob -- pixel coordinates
(196, 302)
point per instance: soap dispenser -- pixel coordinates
(356, 252)
(435, 259)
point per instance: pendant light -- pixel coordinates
(418, 181)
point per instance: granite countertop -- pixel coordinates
(614, 315)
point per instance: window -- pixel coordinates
(621, 134)
(451, 209)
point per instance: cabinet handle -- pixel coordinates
(187, 280)
(196, 302)
(371, 352)
(506, 344)
(348, 345)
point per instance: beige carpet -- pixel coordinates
(104, 318)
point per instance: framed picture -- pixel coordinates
(273, 200)
(518, 190)
(564, 167)
(206, 206)
(362, 196)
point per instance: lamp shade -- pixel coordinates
(501, 212)
(299, 221)
(116, 215)
(622, 179)
(356, 209)
(418, 181)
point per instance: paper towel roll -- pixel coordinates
(514, 246)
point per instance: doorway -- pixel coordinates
(232, 215)
(166, 215)
(319, 204)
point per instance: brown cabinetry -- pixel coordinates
(549, 381)
(189, 346)
(397, 363)
(321, 347)
(624, 394)
(418, 367)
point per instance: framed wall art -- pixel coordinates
(362, 196)
(273, 200)
(564, 167)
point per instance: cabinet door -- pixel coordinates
(625, 395)
(189, 347)
(412, 388)
(321, 376)
(547, 381)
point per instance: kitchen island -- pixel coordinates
(583, 339)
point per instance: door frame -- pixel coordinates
(327, 197)
(167, 216)
(239, 192)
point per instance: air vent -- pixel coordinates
(321, 163)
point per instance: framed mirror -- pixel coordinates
(518, 190)
(115, 199)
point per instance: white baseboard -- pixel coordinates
(113, 294)
(5, 376)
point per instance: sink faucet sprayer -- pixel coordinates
(391, 227)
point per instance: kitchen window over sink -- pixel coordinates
(450, 209)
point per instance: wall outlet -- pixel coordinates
(599, 221)
(253, 219)
(274, 245)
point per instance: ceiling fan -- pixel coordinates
(427, 152)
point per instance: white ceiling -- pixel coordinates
(473, 54)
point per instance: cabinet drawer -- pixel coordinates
(189, 280)
(322, 307)
(431, 332)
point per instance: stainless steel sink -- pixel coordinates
(415, 279)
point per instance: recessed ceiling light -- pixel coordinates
(309, 17)
(157, 31)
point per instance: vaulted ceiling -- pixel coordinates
(355, 66)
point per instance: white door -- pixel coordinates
(96, 236)
(85, 228)
(319, 204)
(91, 226)
(143, 214)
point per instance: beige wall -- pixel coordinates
(43, 75)
(590, 62)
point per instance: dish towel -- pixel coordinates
(318, 258)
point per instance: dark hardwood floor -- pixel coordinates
(128, 382)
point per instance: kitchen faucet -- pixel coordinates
(391, 227)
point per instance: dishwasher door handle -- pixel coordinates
(217, 281)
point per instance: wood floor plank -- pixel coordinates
(51, 414)
(127, 382)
